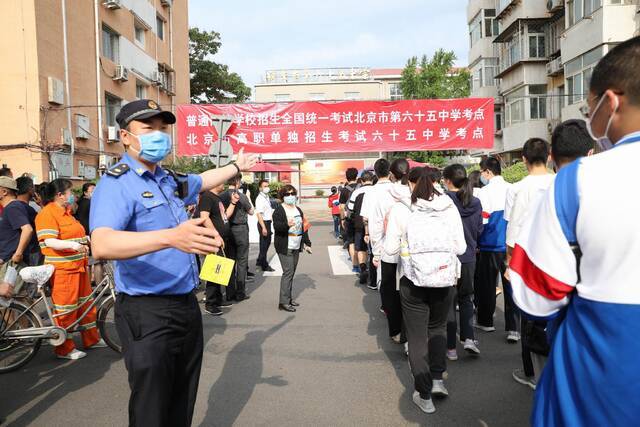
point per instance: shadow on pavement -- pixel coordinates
(47, 380)
(241, 373)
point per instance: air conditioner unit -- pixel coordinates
(122, 74)
(555, 67)
(112, 4)
(112, 134)
(166, 3)
(155, 77)
(554, 5)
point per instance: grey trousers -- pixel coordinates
(241, 239)
(289, 263)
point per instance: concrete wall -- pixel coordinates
(332, 91)
(19, 87)
(515, 136)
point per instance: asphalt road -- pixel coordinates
(331, 363)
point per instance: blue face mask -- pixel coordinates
(154, 146)
(484, 180)
(290, 200)
(72, 199)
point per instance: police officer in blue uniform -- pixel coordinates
(138, 218)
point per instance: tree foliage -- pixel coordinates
(191, 164)
(212, 82)
(433, 78)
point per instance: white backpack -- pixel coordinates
(427, 256)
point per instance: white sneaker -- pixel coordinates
(406, 348)
(513, 336)
(471, 347)
(484, 328)
(75, 354)
(438, 389)
(425, 405)
(396, 339)
(99, 344)
(452, 354)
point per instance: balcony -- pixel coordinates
(555, 67)
(523, 41)
(505, 6)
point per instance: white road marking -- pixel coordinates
(275, 264)
(340, 262)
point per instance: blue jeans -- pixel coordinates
(336, 225)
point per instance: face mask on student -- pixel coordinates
(484, 180)
(266, 190)
(603, 141)
(290, 200)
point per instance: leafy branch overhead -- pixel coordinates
(434, 78)
(212, 82)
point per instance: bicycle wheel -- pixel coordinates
(107, 325)
(15, 353)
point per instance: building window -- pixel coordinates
(491, 27)
(497, 118)
(515, 106)
(538, 102)
(578, 72)
(282, 97)
(475, 28)
(317, 96)
(352, 96)
(112, 105)
(141, 90)
(160, 27)
(139, 34)
(395, 91)
(110, 44)
(579, 9)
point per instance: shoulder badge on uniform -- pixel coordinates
(118, 170)
(147, 194)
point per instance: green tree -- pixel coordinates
(187, 164)
(433, 78)
(212, 82)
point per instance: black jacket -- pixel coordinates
(281, 231)
(472, 224)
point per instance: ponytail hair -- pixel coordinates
(457, 174)
(52, 189)
(399, 170)
(424, 188)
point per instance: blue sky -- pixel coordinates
(258, 35)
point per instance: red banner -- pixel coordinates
(346, 126)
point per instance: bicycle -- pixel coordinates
(21, 327)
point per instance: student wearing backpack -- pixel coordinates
(460, 189)
(347, 225)
(429, 236)
(354, 207)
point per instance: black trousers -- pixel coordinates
(373, 271)
(425, 316)
(390, 298)
(265, 242)
(490, 264)
(213, 291)
(162, 346)
(241, 243)
(463, 295)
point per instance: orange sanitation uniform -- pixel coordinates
(71, 285)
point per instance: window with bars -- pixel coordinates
(395, 91)
(537, 104)
(110, 44)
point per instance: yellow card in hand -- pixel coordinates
(217, 269)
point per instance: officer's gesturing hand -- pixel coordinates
(192, 237)
(214, 177)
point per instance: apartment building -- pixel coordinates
(543, 53)
(69, 65)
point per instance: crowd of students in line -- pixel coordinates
(448, 236)
(562, 246)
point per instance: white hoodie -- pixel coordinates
(442, 206)
(376, 207)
